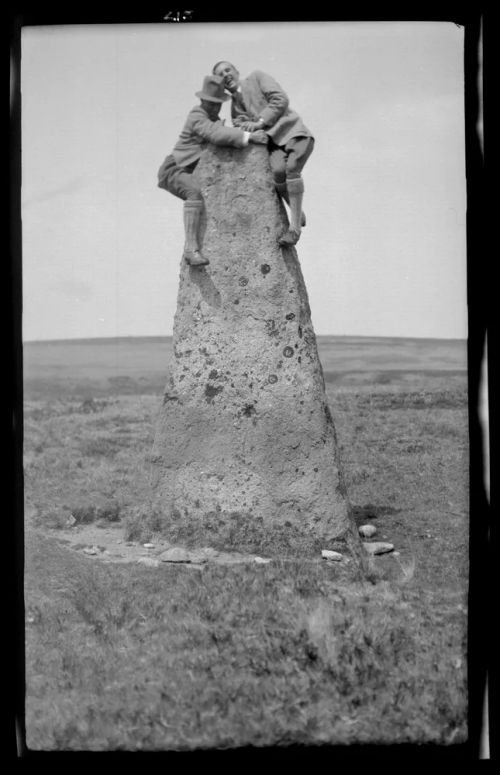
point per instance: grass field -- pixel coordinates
(295, 651)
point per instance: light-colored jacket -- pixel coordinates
(264, 98)
(198, 131)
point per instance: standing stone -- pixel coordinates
(245, 453)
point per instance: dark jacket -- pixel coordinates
(198, 131)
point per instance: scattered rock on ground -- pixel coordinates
(261, 560)
(367, 531)
(70, 521)
(328, 554)
(91, 550)
(178, 554)
(148, 546)
(378, 547)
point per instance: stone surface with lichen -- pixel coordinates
(245, 442)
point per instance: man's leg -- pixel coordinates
(193, 209)
(297, 150)
(278, 162)
(295, 187)
(180, 183)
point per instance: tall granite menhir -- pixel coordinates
(245, 452)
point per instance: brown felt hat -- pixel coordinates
(213, 89)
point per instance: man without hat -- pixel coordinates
(259, 103)
(175, 175)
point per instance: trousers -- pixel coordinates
(179, 180)
(287, 161)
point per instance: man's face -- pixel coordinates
(229, 73)
(212, 108)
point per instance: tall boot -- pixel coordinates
(193, 209)
(295, 188)
(283, 193)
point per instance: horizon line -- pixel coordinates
(164, 337)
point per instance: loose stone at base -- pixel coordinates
(378, 547)
(327, 554)
(178, 554)
(175, 554)
(367, 531)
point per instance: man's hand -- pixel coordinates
(251, 126)
(259, 137)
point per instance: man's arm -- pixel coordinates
(217, 133)
(277, 100)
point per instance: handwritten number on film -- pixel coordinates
(178, 16)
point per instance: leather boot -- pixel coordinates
(295, 188)
(283, 193)
(193, 209)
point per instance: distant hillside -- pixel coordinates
(141, 364)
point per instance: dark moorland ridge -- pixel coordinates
(340, 352)
(141, 364)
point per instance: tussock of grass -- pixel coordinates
(407, 569)
(296, 651)
(242, 533)
(86, 513)
(134, 658)
(95, 462)
(143, 523)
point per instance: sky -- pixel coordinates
(384, 249)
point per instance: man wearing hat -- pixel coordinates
(259, 102)
(176, 173)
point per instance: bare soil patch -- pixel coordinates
(112, 546)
